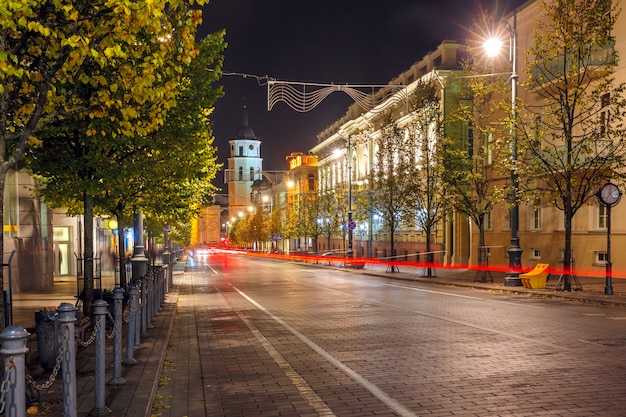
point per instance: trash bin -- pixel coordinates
(49, 338)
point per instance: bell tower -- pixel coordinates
(244, 167)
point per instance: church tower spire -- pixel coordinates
(244, 167)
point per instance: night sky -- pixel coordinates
(323, 41)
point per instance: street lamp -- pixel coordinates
(351, 224)
(493, 47)
(267, 199)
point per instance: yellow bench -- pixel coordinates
(536, 278)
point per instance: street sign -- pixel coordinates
(352, 225)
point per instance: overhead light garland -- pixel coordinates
(304, 96)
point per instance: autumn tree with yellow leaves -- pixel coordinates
(51, 52)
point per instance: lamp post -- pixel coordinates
(269, 199)
(493, 46)
(351, 224)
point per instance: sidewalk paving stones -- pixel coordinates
(177, 338)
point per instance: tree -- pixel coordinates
(393, 179)
(275, 227)
(475, 157)
(573, 131)
(429, 200)
(328, 212)
(309, 213)
(258, 227)
(43, 49)
(108, 144)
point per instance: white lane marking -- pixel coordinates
(469, 297)
(301, 385)
(377, 392)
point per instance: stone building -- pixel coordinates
(347, 151)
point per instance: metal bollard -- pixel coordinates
(157, 294)
(132, 323)
(67, 317)
(118, 297)
(100, 311)
(150, 306)
(161, 287)
(163, 284)
(170, 276)
(14, 339)
(144, 306)
(137, 338)
(166, 286)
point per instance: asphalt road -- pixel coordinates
(285, 339)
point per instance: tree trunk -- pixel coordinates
(88, 286)
(3, 176)
(429, 254)
(121, 247)
(393, 267)
(567, 252)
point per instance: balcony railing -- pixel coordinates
(598, 58)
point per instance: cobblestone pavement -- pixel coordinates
(244, 337)
(256, 338)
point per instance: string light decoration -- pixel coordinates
(304, 96)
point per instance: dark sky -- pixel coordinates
(322, 41)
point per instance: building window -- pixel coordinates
(605, 100)
(601, 258)
(488, 221)
(470, 140)
(240, 173)
(11, 204)
(241, 151)
(311, 181)
(43, 207)
(535, 254)
(602, 216)
(537, 218)
(251, 173)
(489, 148)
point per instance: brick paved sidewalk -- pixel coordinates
(179, 369)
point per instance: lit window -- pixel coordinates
(602, 216)
(537, 219)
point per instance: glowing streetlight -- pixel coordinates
(492, 47)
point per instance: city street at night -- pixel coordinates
(255, 336)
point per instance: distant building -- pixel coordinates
(301, 198)
(347, 151)
(206, 228)
(244, 167)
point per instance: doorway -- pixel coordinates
(62, 243)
